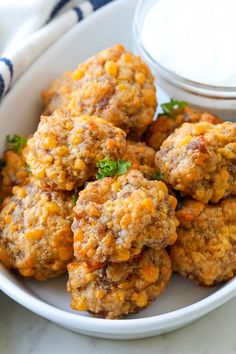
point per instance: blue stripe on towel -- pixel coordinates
(79, 13)
(57, 8)
(99, 3)
(9, 65)
(2, 86)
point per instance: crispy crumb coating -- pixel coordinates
(117, 289)
(116, 217)
(142, 158)
(14, 173)
(36, 237)
(200, 160)
(64, 151)
(58, 95)
(165, 125)
(113, 84)
(205, 250)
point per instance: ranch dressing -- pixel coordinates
(196, 39)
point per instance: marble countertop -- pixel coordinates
(22, 332)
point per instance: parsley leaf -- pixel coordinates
(122, 167)
(28, 168)
(158, 176)
(110, 168)
(74, 198)
(170, 107)
(15, 142)
(2, 164)
(106, 168)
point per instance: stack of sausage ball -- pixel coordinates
(111, 233)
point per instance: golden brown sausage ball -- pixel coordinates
(165, 125)
(117, 289)
(14, 173)
(114, 85)
(142, 157)
(116, 217)
(64, 151)
(36, 237)
(200, 160)
(58, 95)
(205, 250)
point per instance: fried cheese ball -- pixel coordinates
(64, 151)
(142, 157)
(35, 232)
(205, 250)
(114, 85)
(199, 160)
(165, 125)
(116, 217)
(117, 289)
(14, 173)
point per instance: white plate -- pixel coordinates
(183, 302)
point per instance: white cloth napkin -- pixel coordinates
(28, 27)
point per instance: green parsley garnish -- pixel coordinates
(2, 164)
(123, 166)
(106, 168)
(15, 142)
(110, 168)
(158, 176)
(28, 168)
(170, 107)
(74, 198)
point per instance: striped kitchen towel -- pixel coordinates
(28, 27)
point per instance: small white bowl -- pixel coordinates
(220, 100)
(183, 301)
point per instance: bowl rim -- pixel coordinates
(135, 327)
(139, 325)
(211, 91)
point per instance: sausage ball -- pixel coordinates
(64, 151)
(14, 173)
(165, 125)
(116, 217)
(117, 289)
(142, 157)
(200, 160)
(114, 85)
(36, 237)
(205, 250)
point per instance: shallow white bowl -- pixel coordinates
(183, 302)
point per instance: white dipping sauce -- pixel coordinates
(194, 38)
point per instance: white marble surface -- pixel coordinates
(22, 332)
